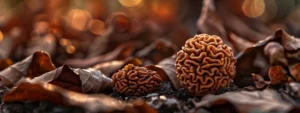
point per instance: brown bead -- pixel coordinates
(205, 65)
(135, 81)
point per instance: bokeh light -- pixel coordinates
(64, 42)
(253, 8)
(131, 3)
(1, 36)
(70, 49)
(78, 19)
(96, 27)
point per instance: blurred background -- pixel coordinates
(83, 33)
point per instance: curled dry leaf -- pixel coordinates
(166, 69)
(259, 81)
(276, 75)
(277, 50)
(120, 53)
(108, 68)
(295, 71)
(266, 101)
(79, 80)
(92, 103)
(33, 66)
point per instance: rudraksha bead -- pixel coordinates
(205, 65)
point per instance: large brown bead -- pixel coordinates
(205, 65)
(135, 81)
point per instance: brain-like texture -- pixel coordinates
(135, 81)
(205, 65)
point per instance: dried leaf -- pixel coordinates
(295, 71)
(276, 75)
(63, 76)
(259, 81)
(120, 53)
(108, 68)
(274, 47)
(266, 101)
(79, 80)
(33, 66)
(92, 103)
(290, 43)
(166, 69)
(275, 52)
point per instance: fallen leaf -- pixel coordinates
(92, 102)
(79, 80)
(266, 101)
(259, 81)
(276, 75)
(295, 71)
(276, 51)
(33, 66)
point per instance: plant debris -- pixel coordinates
(149, 56)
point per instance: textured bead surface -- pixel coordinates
(205, 64)
(135, 81)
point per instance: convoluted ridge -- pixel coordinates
(205, 64)
(135, 81)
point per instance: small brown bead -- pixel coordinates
(135, 81)
(205, 64)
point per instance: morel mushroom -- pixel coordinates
(205, 65)
(135, 81)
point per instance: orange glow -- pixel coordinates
(97, 27)
(64, 42)
(164, 12)
(130, 3)
(253, 8)
(70, 49)
(78, 19)
(1, 36)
